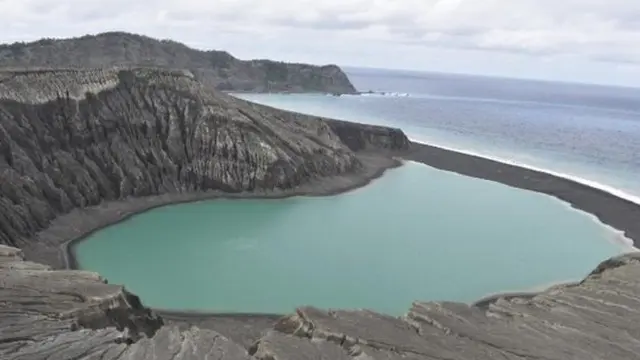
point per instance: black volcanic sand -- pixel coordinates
(619, 213)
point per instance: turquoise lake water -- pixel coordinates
(414, 234)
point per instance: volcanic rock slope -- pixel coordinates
(75, 138)
(216, 69)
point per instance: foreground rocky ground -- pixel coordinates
(68, 314)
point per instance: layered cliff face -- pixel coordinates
(216, 69)
(47, 314)
(75, 138)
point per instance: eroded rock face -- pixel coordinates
(74, 138)
(215, 69)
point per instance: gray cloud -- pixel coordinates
(595, 29)
(616, 59)
(324, 24)
(93, 11)
(43, 7)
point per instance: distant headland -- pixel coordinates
(213, 68)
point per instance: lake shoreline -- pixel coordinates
(55, 245)
(613, 211)
(610, 210)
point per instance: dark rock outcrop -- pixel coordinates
(48, 314)
(216, 69)
(360, 137)
(76, 138)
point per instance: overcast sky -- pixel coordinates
(573, 40)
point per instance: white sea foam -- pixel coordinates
(382, 94)
(614, 235)
(475, 99)
(520, 102)
(591, 183)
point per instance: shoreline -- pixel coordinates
(566, 176)
(79, 224)
(618, 237)
(621, 214)
(620, 240)
(488, 299)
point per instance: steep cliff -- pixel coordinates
(76, 138)
(47, 314)
(216, 69)
(359, 137)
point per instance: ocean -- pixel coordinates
(589, 133)
(416, 233)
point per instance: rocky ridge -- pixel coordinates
(70, 314)
(216, 69)
(76, 138)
